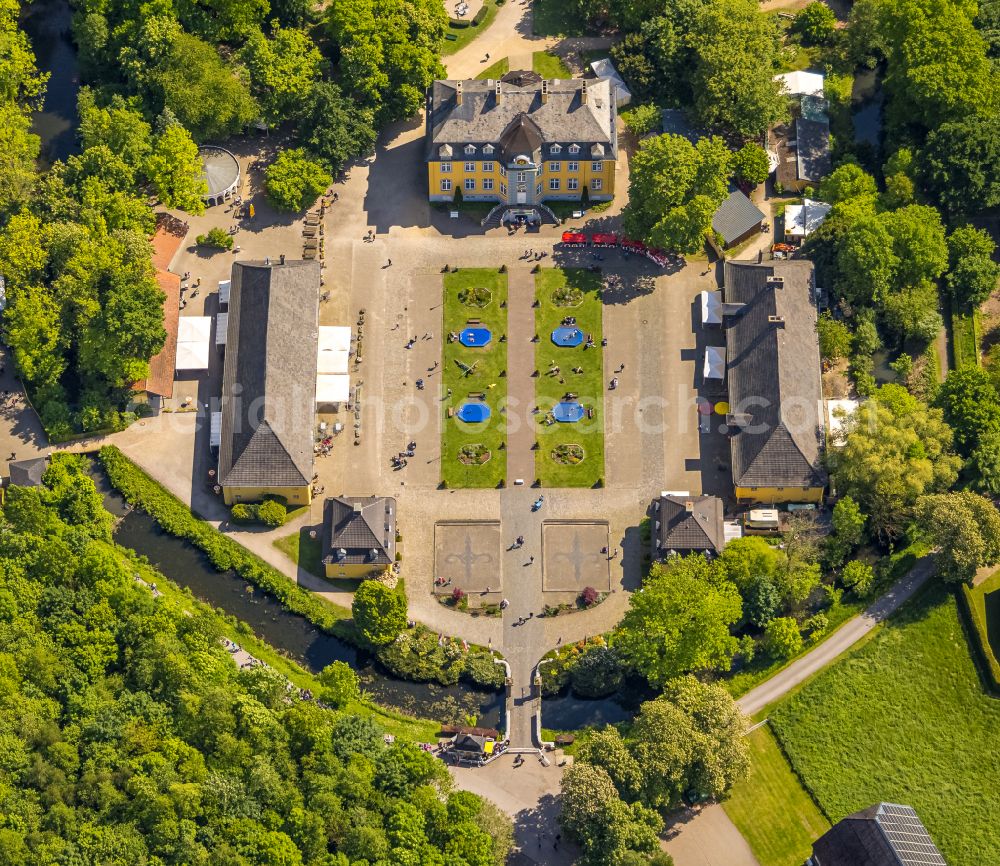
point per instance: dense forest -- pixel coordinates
(130, 737)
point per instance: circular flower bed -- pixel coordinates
(567, 296)
(476, 296)
(474, 455)
(569, 454)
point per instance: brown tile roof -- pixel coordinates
(161, 366)
(360, 525)
(700, 527)
(170, 234)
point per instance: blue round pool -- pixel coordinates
(567, 336)
(568, 413)
(475, 336)
(473, 413)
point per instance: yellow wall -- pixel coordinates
(769, 495)
(292, 495)
(585, 175)
(357, 570)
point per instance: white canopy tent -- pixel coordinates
(715, 362)
(333, 389)
(801, 83)
(224, 287)
(711, 308)
(194, 336)
(605, 70)
(221, 328)
(334, 347)
(801, 220)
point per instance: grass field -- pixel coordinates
(772, 810)
(488, 363)
(904, 718)
(496, 69)
(965, 339)
(552, 18)
(465, 35)
(588, 386)
(549, 65)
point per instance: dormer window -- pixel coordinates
(470, 149)
(574, 148)
(487, 149)
(555, 148)
(444, 151)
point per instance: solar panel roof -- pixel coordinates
(907, 835)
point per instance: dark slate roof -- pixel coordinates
(564, 118)
(269, 380)
(812, 149)
(736, 216)
(359, 525)
(691, 523)
(887, 834)
(774, 375)
(27, 473)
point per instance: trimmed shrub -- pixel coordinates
(271, 513)
(216, 237)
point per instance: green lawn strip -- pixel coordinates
(588, 386)
(973, 600)
(553, 18)
(549, 65)
(964, 340)
(394, 722)
(177, 519)
(488, 362)
(904, 718)
(771, 809)
(496, 70)
(307, 552)
(465, 35)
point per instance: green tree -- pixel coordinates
(379, 612)
(971, 405)
(918, 240)
(848, 522)
(965, 527)
(283, 71)
(597, 672)
(912, 312)
(750, 163)
(674, 188)
(19, 149)
(340, 684)
(118, 125)
(175, 170)
(642, 119)
(972, 273)
(815, 24)
(679, 622)
(896, 450)
(607, 750)
(209, 98)
(782, 638)
(858, 576)
(333, 129)
(834, 337)
(294, 181)
(847, 181)
(958, 164)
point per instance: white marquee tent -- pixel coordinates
(333, 389)
(194, 336)
(715, 362)
(334, 348)
(605, 70)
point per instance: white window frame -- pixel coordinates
(596, 184)
(554, 184)
(470, 166)
(503, 189)
(488, 184)
(573, 166)
(553, 166)
(470, 148)
(555, 148)
(445, 168)
(538, 190)
(572, 184)
(446, 184)
(574, 148)
(487, 166)
(522, 177)
(503, 170)
(488, 149)
(470, 184)
(597, 165)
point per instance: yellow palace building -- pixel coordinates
(521, 140)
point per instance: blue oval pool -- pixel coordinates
(473, 413)
(570, 336)
(475, 336)
(567, 412)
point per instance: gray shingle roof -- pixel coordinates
(774, 375)
(812, 149)
(27, 473)
(736, 216)
(269, 380)
(564, 118)
(700, 528)
(887, 834)
(359, 525)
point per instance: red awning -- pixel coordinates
(606, 239)
(574, 238)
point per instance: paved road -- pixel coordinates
(839, 642)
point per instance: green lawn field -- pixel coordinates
(904, 718)
(583, 289)
(771, 808)
(487, 364)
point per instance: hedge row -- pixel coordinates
(972, 604)
(225, 554)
